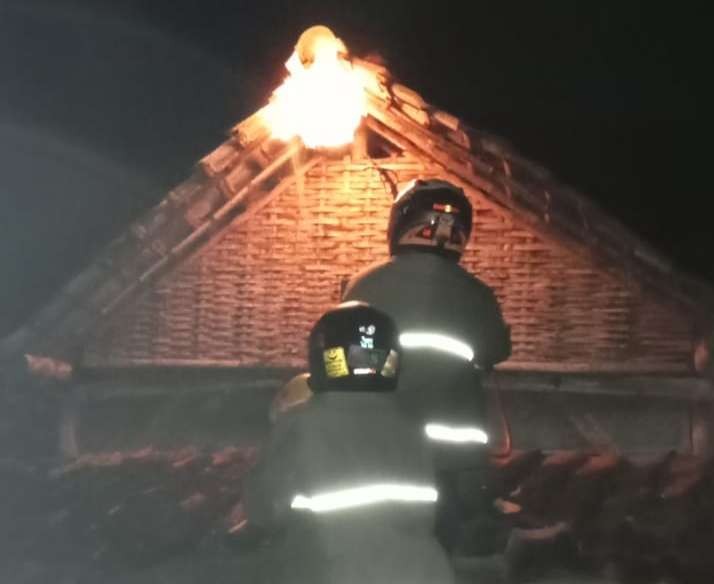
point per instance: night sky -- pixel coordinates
(106, 105)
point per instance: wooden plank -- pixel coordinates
(408, 96)
(446, 119)
(683, 388)
(420, 116)
(220, 159)
(256, 204)
(176, 376)
(209, 227)
(252, 129)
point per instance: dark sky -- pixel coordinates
(105, 105)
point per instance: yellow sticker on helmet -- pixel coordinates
(335, 362)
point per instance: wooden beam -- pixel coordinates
(184, 371)
(649, 386)
(592, 367)
(359, 144)
(209, 227)
(252, 129)
(177, 377)
(255, 202)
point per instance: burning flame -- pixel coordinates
(323, 99)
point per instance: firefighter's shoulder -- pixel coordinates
(368, 276)
(474, 283)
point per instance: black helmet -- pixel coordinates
(430, 215)
(354, 347)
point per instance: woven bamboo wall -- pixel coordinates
(251, 297)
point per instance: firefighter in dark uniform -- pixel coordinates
(451, 328)
(345, 487)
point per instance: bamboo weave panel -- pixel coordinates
(251, 298)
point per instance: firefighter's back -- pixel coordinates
(447, 320)
(345, 483)
(364, 512)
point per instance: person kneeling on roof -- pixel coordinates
(344, 486)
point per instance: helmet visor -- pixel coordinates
(437, 230)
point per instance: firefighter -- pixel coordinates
(450, 323)
(344, 489)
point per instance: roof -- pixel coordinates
(614, 512)
(250, 169)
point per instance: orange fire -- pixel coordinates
(323, 99)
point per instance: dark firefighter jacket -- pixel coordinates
(427, 293)
(341, 444)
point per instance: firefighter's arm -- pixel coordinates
(347, 289)
(356, 288)
(494, 335)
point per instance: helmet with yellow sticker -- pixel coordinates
(430, 215)
(354, 347)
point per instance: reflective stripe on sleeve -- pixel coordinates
(455, 434)
(365, 495)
